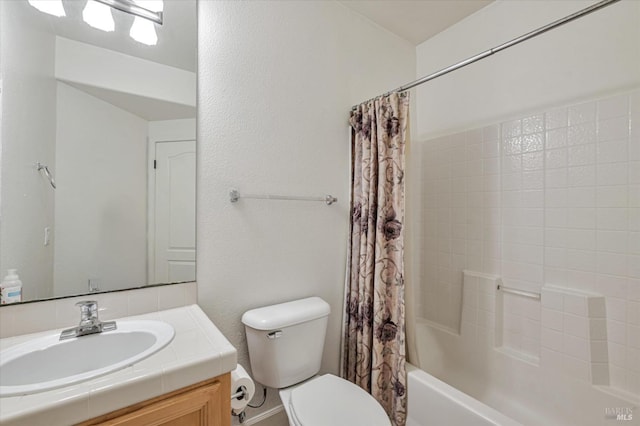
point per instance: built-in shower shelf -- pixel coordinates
(438, 326)
(521, 356)
(574, 333)
(517, 325)
(478, 316)
(620, 393)
(563, 330)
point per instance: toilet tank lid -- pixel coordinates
(286, 314)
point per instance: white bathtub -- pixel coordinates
(432, 402)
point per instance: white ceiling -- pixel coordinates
(415, 20)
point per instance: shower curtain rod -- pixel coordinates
(513, 42)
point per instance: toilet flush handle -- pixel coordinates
(274, 334)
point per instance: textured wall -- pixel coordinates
(28, 136)
(276, 82)
(588, 57)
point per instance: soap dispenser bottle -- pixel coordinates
(11, 288)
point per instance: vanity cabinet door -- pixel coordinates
(205, 405)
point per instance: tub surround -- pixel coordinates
(198, 352)
(548, 204)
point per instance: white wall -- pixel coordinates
(172, 130)
(101, 200)
(28, 136)
(594, 55)
(83, 63)
(532, 177)
(276, 83)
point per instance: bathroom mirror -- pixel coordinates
(110, 122)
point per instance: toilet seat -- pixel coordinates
(330, 400)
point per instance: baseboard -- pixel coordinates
(264, 415)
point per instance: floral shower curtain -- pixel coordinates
(374, 346)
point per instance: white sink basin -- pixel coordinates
(47, 363)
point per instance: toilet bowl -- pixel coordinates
(329, 400)
(285, 344)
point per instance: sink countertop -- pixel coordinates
(198, 352)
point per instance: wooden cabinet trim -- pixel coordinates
(198, 397)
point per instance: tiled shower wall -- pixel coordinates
(460, 181)
(552, 198)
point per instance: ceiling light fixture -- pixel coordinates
(142, 30)
(52, 7)
(98, 16)
(147, 9)
(152, 5)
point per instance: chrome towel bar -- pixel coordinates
(524, 293)
(234, 196)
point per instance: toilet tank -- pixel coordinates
(286, 340)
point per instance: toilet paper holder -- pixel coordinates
(241, 393)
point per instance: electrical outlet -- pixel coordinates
(47, 236)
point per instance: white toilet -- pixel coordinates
(285, 349)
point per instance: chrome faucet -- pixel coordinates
(89, 322)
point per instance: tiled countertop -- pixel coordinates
(198, 352)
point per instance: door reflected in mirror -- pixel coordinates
(97, 185)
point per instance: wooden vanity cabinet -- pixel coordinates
(206, 403)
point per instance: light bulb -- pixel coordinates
(52, 7)
(98, 15)
(143, 31)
